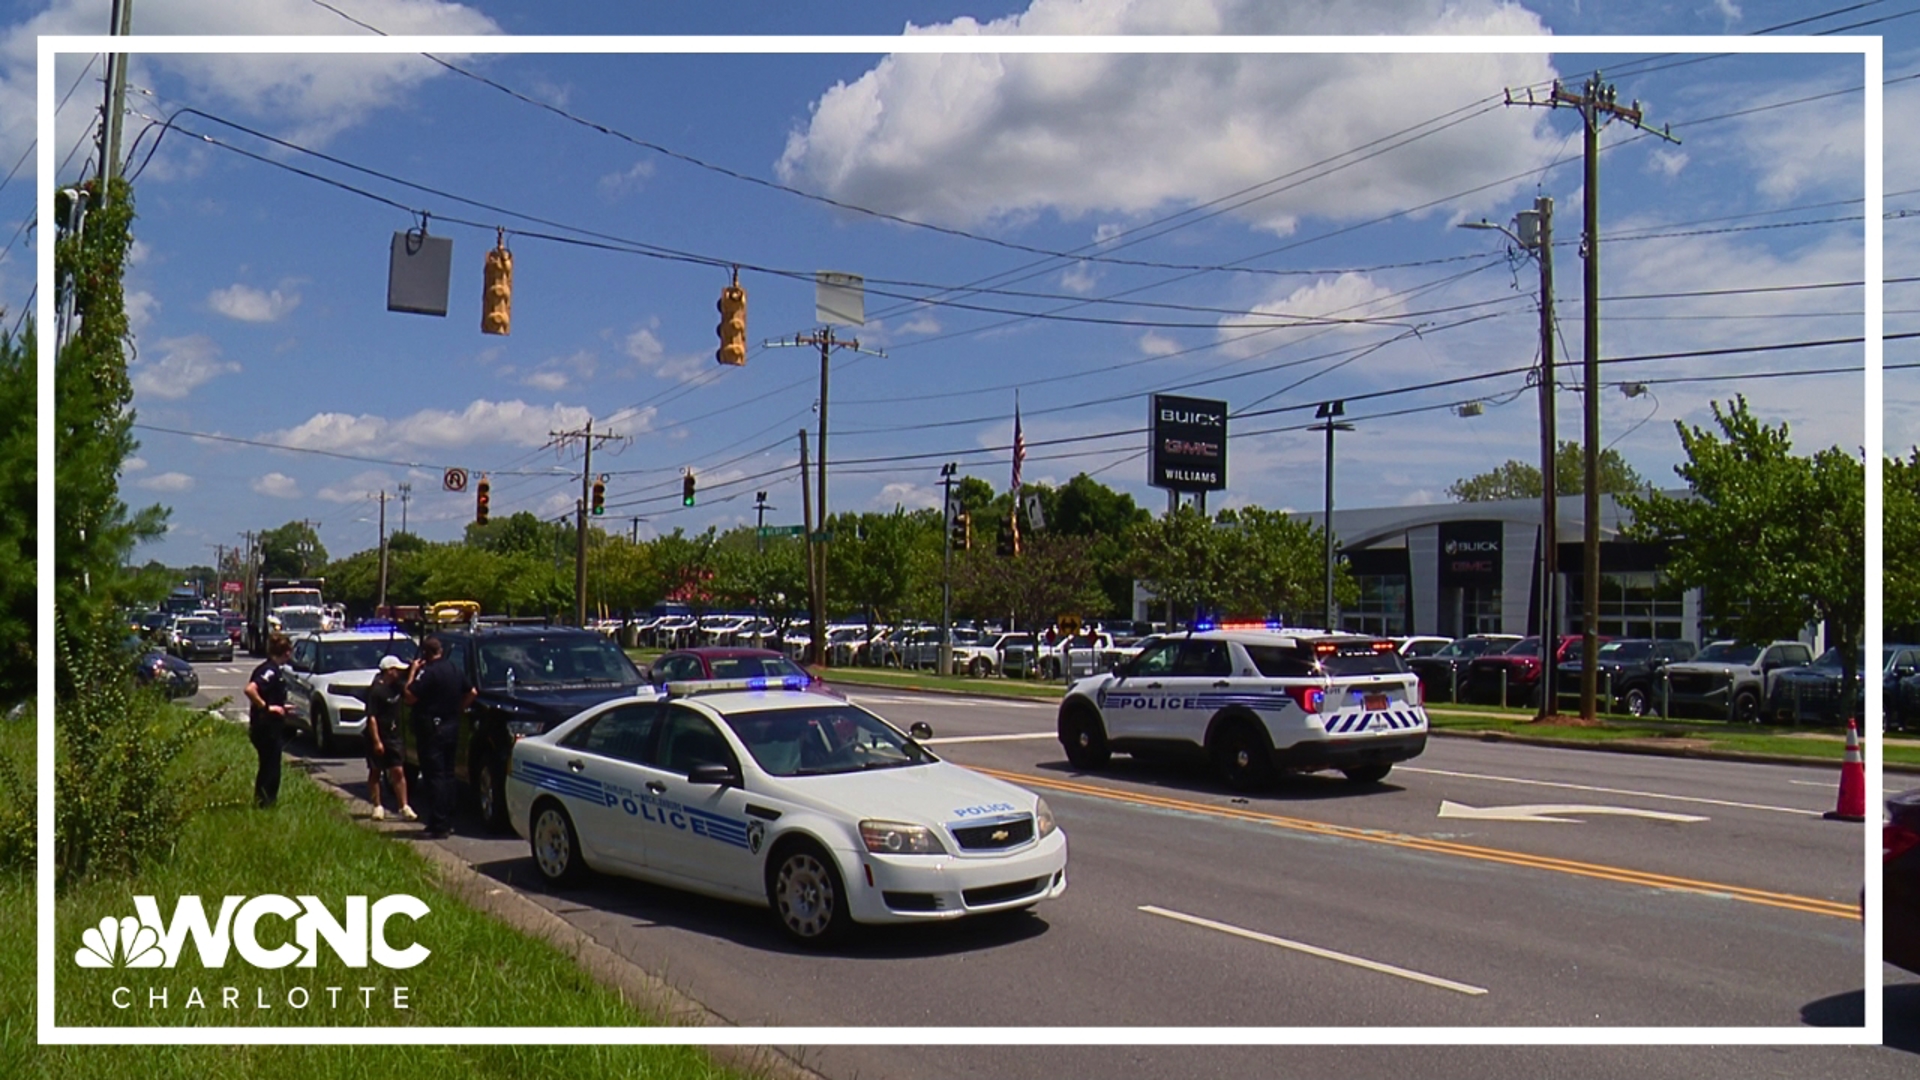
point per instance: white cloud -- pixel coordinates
(970, 139)
(514, 422)
(546, 380)
(1667, 161)
(277, 485)
(307, 98)
(1153, 343)
(627, 181)
(652, 357)
(248, 304)
(909, 495)
(167, 481)
(140, 305)
(184, 363)
(133, 464)
(357, 488)
(1079, 278)
(1347, 296)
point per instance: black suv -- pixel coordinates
(1629, 670)
(529, 679)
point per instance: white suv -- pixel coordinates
(1255, 702)
(328, 677)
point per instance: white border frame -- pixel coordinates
(49, 1032)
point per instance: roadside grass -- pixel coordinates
(920, 680)
(480, 972)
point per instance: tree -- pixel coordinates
(524, 533)
(19, 597)
(1521, 480)
(1180, 558)
(1276, 564)
(292, 550)
(1085, 507)
(1774, 540)
(1052, 576)
(1900, 544)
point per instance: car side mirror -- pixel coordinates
(920, 730)
(1904, 670)
(717, 775)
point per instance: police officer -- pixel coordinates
(267, 718)
(439, 692)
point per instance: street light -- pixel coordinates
(1326, 413)
(946, 570)
(1536, 236)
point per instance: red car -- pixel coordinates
(1900, 881)
(726, 662)
(1521, 664)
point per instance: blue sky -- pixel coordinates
(1199, 199)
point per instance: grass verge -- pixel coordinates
(480, 972)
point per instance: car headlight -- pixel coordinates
(899, 838)
(1043, 822)
(520, 729)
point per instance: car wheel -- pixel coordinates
(1746, 707)
(556, 846)
(322, 729)
(805, 892)
(490, 793)
(1084, 739)
(1367, 774)
(979, 669)
(1243, 756)
(1638, 704)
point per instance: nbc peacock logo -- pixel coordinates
(117, 943)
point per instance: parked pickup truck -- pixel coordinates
(1730, 679)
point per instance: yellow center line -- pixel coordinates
(1646, 879)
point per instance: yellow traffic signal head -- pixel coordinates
(496, 302)
(480, 501)
(733, 324)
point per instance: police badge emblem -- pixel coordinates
(756, 835)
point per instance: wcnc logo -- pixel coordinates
(357, 936)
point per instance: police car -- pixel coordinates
(1255, 699)
(762, 791)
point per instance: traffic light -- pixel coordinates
(496, 302)
(686, 490)
(480, 500)
(600, 495)
(733, 325)
(966, 530)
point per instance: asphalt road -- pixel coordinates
(1317, 905)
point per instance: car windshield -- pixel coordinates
(201, 628)
(293, 622)
(824, 741)
(748, 667)
(1831, 660)
(1727, 652)
(360, 655)
(1016, 639)
(1362, 658)
(1468, 646)
(1626, 650)
(555, 660)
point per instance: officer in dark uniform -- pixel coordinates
(267, 718)
(439, 692)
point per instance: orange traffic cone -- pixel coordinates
(1852, 805)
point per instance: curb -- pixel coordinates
(635, 984)
(1657, 751)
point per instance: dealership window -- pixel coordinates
(1382, 608)
(1470, 610)
(1634, 604)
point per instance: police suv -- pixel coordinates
(1255, 700)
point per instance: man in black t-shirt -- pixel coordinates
(385, 754)
(439, 692)
(267, 718)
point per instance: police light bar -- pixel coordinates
(689, 687)
(1249, 624)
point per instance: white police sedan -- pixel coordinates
(761, 791)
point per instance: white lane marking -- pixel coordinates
(1547, 812)
(1611, 791)
(1314, 950)
(991, 738)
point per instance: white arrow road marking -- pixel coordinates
(1314, 950)
(1545, 812)
(1610, 791)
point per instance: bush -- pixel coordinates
(120, 802)
(16, 793)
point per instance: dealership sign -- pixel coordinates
(1189, 451)
(1470, 554)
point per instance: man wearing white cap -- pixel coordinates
(384, 750)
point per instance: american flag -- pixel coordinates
(1019, 445)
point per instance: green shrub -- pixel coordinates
(16, 793)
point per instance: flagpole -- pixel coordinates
(1019, 456)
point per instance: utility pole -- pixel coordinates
(816, 647)
(1327, 414)
(636, 528)
(760, 509)
(1597, 102)
(380, 604)
(406, 493)
(587, 437)
(824, 340)
(121, 19)
(946, 571)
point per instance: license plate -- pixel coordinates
(1375, 702)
